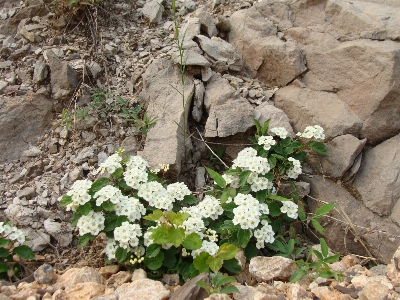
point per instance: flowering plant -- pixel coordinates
(164, 227)
(10, 243)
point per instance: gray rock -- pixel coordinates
(85, 154)
(61, 232)
(341, 153)
(197, 111)
(200, 177)
(38, 239)
(131, 145)
(279, 12)
(45, 274)
(40, 72)
(94, 68)
(207, 23)
(221, 53)
(278, 117)
(30, 36)
(306, 107)
(191, 58)
(145, 289)
(378, 180)
(165, 142)
(22, 120)
(271, 268)
(3, 85)
(380, 235)
(369, 86)
(190, 290)
(64, 79)
(301, 189)
(27, 193)
(221, 103)
(5, 64)
(20, 214)
(153, 11)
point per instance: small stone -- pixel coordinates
(94, 69)
(3, 85)
(200, 177)
(139, 274)
(44, 274)
(27, 192)
(40, 72)
(109, 270)
(171, 279)
(271, 268)
(252, 93)
(374, 291)
(5, 64)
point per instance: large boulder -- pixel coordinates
(269, 58)
(306, 107)
(165, 141)
(378, 181)
(370, 84)
(228, 112)
(352, 220)
(22, 120)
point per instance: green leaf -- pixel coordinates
(236, 171)
(265, 126)
(192, 241)
(332, 259)
(65, 200)
(83, 240)
(216, 279)
(4, 253)
(243, 177)
(229, 289)
(324, 209)
(258, 126)
(117, 173)
(4, 242)
(193, 272)
(290, 247)
(200, 262)
(153, 250)
(274, 209)
(177, 218)
(232, 265)
(244, 236)
(3, 268)
(302, 213)
(318, 254)
(224, 196)
(176, 235)
(324, 247)
(84, 209)
(250, 251)
(272, 162)
(110, 222)
(98, 184)
(215, 263)
(24, 252)
(189, 199)
(154, 263)
(219, 180)
(160, 235)
(107, 206)
(301, 156)
(204, 285)
(154, 216)
(261, 196)
(121, 254)
(227, 251)
(75, 218)
(277, 198)
(296, 275)
(120, 220)
(184, 270)
(318, 227)
(317, 147)
(170, 258)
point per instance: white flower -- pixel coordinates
(264, 235)
(79, 193)
(127, 234)
(290, 208)
(178, 190)
(112, 163)
(315, 131)
(210, 207)
(267, 141)
(135, 177)
(137, 162)
(207, 246)
(92, 223)
(280, 131)
(106, 193)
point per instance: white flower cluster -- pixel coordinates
(112, 163)
(267, 141)
(280, 131)
(106, 193)
(315, 131)
(211, 235)
(110, 248)
(92, 223)
(130, 207)
(296, 170)
(260, 183)
(137, 162)
(247, 159)
(207, 246)
(264, 235)
(156, 195)
(232, 180)
(127, 235)
(135, 177)
(247, 214)
(290, 208)
(79, 193)
(210, 207)
(178, 190)
(12, 233)
(194, 224)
